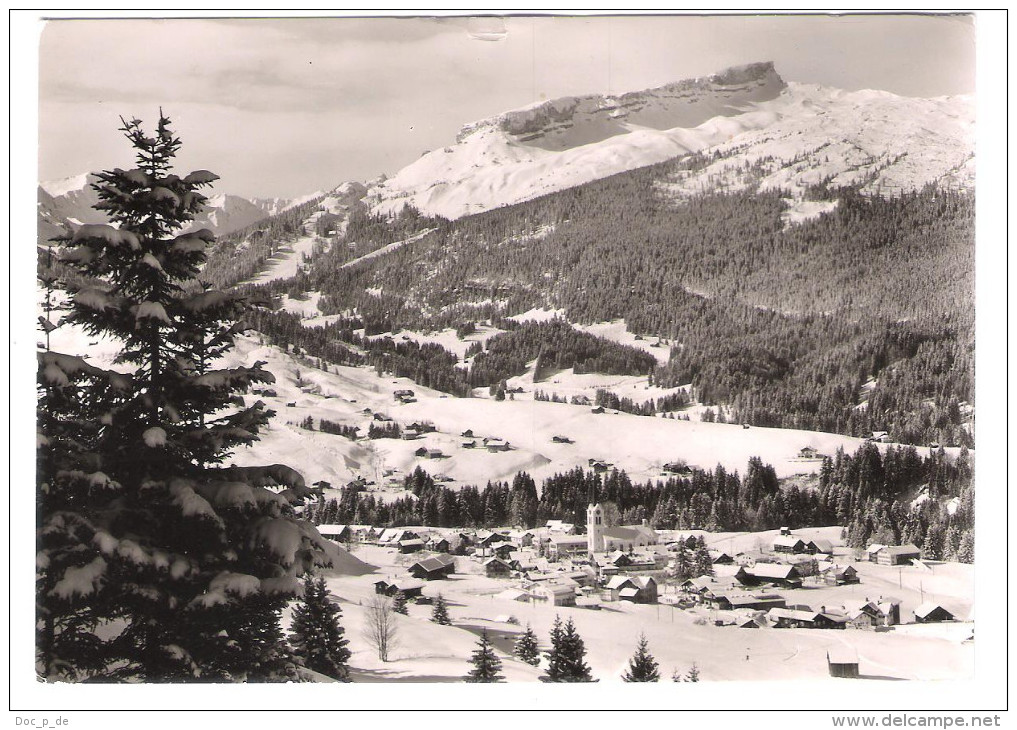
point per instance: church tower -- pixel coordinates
(595, 528)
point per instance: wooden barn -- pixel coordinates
(437, 568)
(496, 568)
(842, 661)
(895, 554)
(776, 574)
(391, 586)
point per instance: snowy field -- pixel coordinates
(638, 444)
(677, 638)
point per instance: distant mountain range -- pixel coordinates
(69, 202)
(792, 135)
(806, 134)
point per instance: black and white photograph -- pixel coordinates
(452, 348)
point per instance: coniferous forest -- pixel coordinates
(856, 321)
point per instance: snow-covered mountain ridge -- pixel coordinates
(804, 133)
(71, 200)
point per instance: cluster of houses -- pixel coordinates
(626, 563)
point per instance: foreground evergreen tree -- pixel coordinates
(693, 674)
(527, 648)
(152, 564)
(399, 603)
(439, 614)
(565, 658)
(316, 634)
(642, 665)
(486, 663)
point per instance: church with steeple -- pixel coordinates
(600, 538)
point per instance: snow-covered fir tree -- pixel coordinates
(565, 658)
(439, 614)
(486, 663)
(152, 563)
(642, 665)
(527, 648)
(399, 603)
(317, 637)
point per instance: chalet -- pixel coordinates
(562, 440)
(336, 533)
(504, 550)
(435, 454)
(559, 546)
(863, 614)
(597, 409)
(635, 588)
(842, 661)
(437, 568)
(404, 399)
(895, 554)
(719, 557)
(808, 452)
(772, 573)
(557, 594)
(410, 433)
(930, 612)
(599, 467)
(785, 542)
(471, 444)
(821, 547)
(837, 575)
(493, 445)
(421, 452)
(487, 538)
(422, 427)
(439, 544)
(880, 436)
(467, 434)
(688, 541)
(581, 400)
(381, 417)
(745, 601)
(411, 545)
(364, 533)
(566, 528)
(521, 538)
(391, 586)
(357, 485)
(406, 393)
(513, 594)
(393, 535)
(496, 568)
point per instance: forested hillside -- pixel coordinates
(857, 320)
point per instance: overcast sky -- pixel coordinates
(284, 107)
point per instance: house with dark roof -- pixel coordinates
(496, 568)
(745, 601)
(411, 545)
(930, 612)
(391, 586)
(438, 567)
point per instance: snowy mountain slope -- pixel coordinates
(749, 114)
(70, 200)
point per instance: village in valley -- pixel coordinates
(786, 604)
